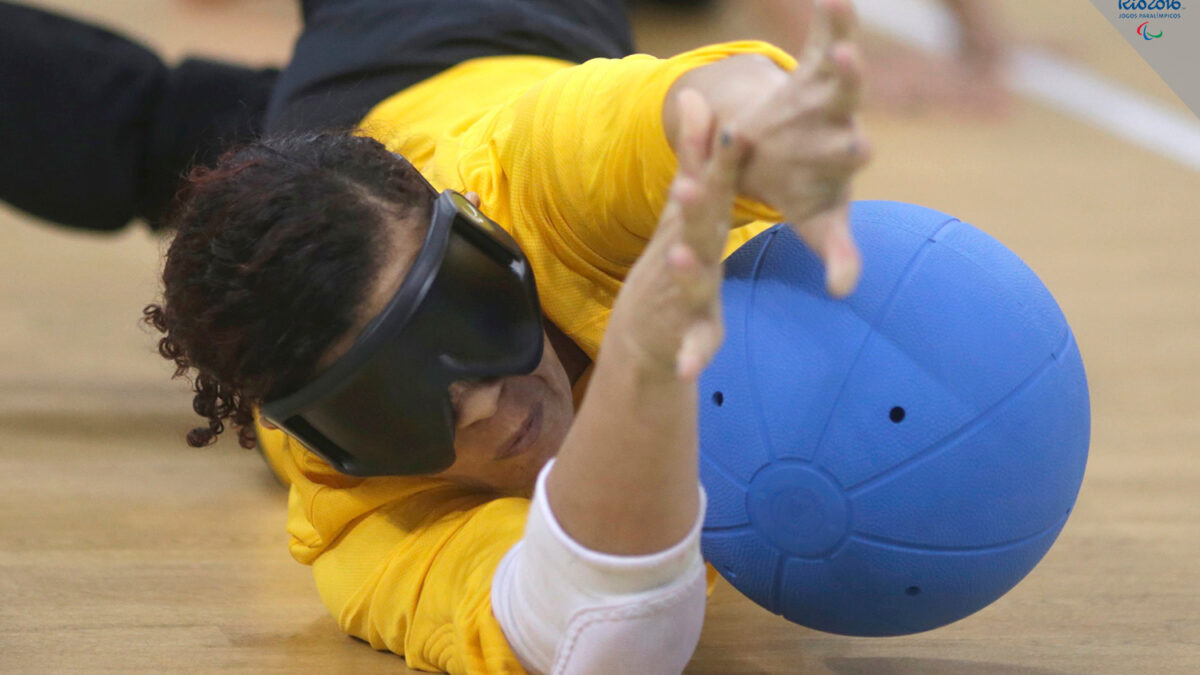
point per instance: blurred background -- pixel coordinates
(123, 548)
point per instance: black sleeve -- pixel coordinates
(95, 130)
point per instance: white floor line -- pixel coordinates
(1067, 87)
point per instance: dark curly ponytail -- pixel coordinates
(275, 250)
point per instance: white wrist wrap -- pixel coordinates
(567, 609)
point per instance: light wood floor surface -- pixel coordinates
(120, 548)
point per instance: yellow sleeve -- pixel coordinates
(404, 563)
(415, 578)
(587, 157)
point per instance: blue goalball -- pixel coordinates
(895, 461)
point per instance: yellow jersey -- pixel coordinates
(573, 161)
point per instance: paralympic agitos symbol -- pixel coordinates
(1145, 32)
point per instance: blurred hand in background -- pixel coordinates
(969, 81)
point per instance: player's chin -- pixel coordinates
(520, 476)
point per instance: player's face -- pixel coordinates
(506, 429)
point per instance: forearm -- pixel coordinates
(609, 568)
(626, 479)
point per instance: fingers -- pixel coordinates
(698, 282)
(842, 154)
(841, 17)
(699, 210)
(843, 262)
(842, 22)
(725, 160)
(828, 234)
(699, 290)
(840, 63)
(847, 64)
(708, 217)
(706, 183)
(829, 147)
(695, 130)
(699, 346)
(832, 80)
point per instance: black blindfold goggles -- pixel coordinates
(467, 311)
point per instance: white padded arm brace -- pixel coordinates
(567, 609)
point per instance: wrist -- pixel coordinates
(644, 363)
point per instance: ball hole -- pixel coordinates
(912, 590)
(896, 414)
(718, 398)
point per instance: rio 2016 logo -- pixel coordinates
(1150, 5)
(1144, 31)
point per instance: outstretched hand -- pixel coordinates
(668, 311)
(808, 144)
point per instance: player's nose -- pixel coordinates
(475, 401)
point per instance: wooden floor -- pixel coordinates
(120, 548)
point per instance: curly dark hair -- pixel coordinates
(274, 251)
